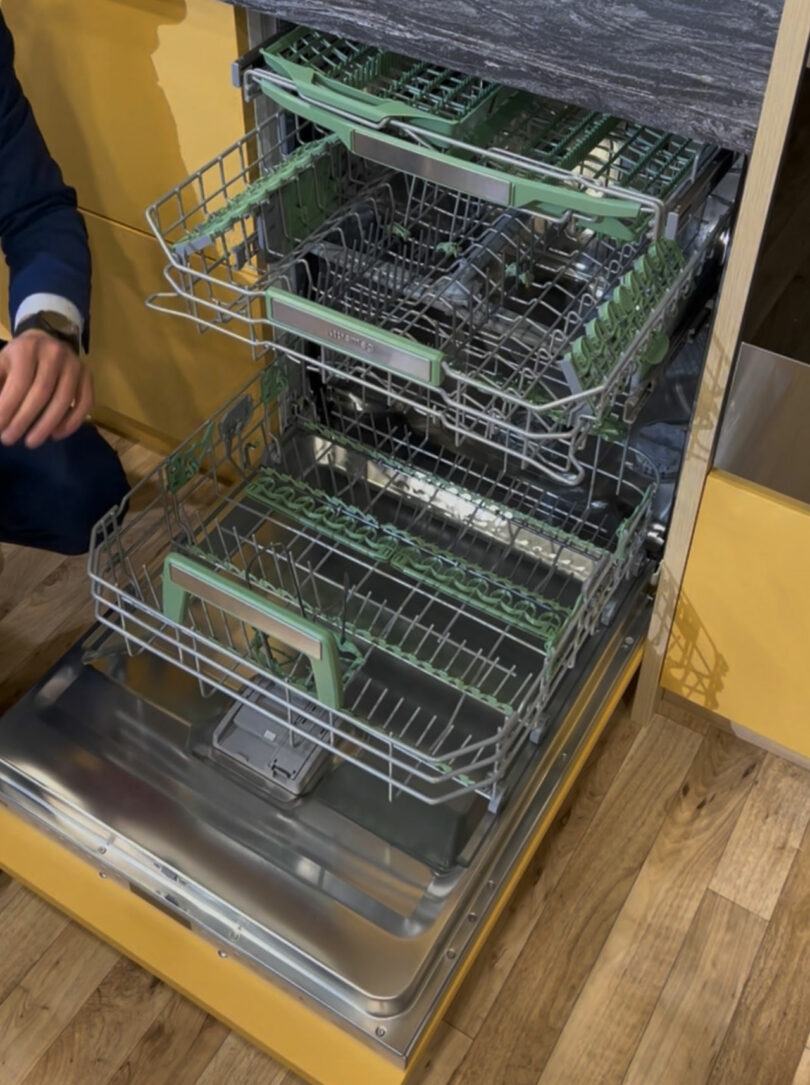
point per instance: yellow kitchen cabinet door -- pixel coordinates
(739, 644)
(156, 377)
(131, 95)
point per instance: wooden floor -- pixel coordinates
(661, 936)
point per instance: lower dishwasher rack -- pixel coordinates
(366, 595)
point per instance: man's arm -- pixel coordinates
(45, 390)
(43, 235)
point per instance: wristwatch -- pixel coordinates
(55, 324)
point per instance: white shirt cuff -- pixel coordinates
(49, 303)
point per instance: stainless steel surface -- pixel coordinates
(448, 174)
(703, 182)
(763, 434)
(102, 758)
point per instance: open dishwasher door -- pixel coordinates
(358, 634)
(284, 919)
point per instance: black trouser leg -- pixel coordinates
(51, 497)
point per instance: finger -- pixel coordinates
(19, 364)
(78, 412)
(50, 366)
(64, 395)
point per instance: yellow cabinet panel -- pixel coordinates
(154, 374)
(740, 641)
(132, 95)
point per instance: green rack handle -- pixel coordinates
(353, 337)
(183, 577)
(612, 215)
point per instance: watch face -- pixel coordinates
(55, 324)
(60, 323)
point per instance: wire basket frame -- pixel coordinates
(455, 598)
(438, 302)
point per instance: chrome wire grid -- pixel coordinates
(494, 300)
(457, 596)
(500, 302)
(221, 225)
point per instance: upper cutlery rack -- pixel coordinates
(486, 140)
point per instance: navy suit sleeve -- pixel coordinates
(43, 235)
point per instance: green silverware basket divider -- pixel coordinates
(448, 103)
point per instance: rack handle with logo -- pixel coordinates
(353, 337)
(184, 577)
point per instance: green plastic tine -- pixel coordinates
(460, 579)
(605, 339)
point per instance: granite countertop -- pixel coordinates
(696, 67)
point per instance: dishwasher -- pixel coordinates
(357, 634)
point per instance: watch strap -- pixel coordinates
(40, 322)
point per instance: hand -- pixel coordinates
(45, 390)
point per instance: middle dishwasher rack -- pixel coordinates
(378, 596)
(492, 322)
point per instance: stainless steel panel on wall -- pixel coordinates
(765, 435)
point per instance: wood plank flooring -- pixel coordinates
(661, 935)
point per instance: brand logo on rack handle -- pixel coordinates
(351, 339)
